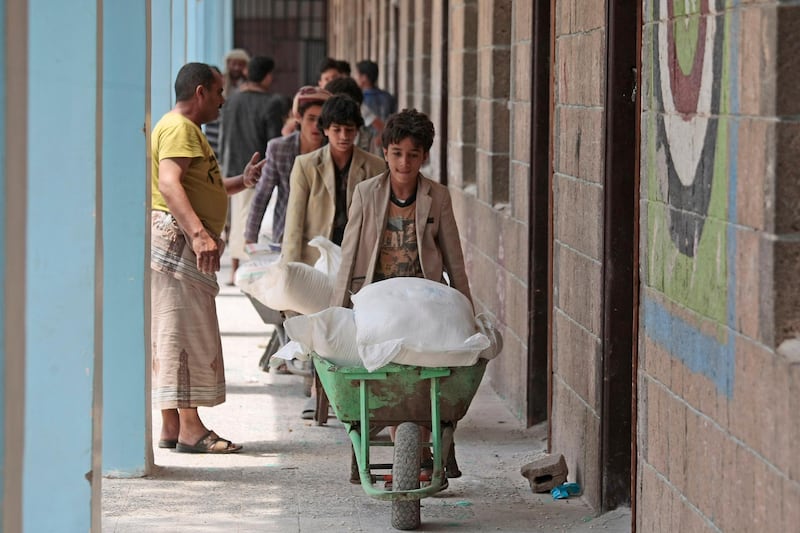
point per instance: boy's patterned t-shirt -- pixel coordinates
(399, 255)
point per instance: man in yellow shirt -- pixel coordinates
(189, 208)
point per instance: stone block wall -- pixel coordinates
(489, 170)
(468, 68)
(463, 91)
(578, 180)
(718, 382)
(366, 29)
(719, 385)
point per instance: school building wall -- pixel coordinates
(73, 362)
(719, 395)
(578, 181)
(454, 63)
(468, 64)
(717, 383)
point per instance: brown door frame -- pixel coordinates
(445, 87)
(539, 214)
(620, 254)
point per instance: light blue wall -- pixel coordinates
(215, 31)
(183, 31)
(179, 37)
(161, 87)
(178, 31)
(69, 220)
(60, 265)
(194, 29)
(124, 219)
(205, 30)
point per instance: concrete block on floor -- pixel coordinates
(545, 472)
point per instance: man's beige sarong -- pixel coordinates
(188, 370)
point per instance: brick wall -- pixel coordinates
(719, 397)
(718, 381)
(474, 83)
(489, 156)
(579, 77)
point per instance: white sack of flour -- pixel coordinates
(414, 321)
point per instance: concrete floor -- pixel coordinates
(293, 476)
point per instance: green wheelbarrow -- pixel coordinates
(406, 397)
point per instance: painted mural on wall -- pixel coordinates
(689, 178)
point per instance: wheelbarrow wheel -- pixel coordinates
(405, 475)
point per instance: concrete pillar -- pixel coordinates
(63, 278)
(126, 416)
(437, 88)
(162, 93)
(384, 36)
(392, 80)
(405, 56)
(73, 250)
(520, 108)
(177, 31)
(462, 84)
(494, 67)
(216, 31)
(421, 64)
(209, 31)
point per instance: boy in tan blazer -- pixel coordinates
(401, 224)
(320, 189)
(322, 182)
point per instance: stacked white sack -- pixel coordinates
(254, 268)
(295, 286)
(330, 256)
(486, 327)
(331, 334)
(292, 286)
(414, 321)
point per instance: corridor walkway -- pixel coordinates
(293, 475)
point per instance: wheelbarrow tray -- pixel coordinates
(366, 402)
(399, 393)
(268, 315)
(277, 340)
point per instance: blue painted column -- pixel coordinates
(162, 73)
(73, 250)
(126, 402)
(63, 342)
(227, 26)
(194, 31)
(217, 31)
(178, 44)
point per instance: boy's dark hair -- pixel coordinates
(340, 109)
(343, 67)
(259, 68)
(409, 123)
(346, 86)
(328, 63)
(189, 77)
(369, 69)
